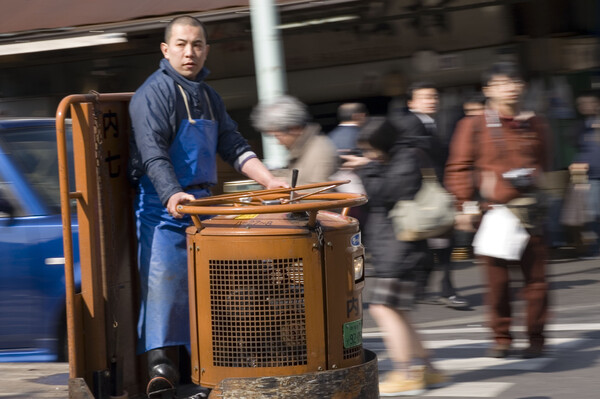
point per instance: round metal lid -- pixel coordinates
(241, 185)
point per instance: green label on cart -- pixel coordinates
(352, 333)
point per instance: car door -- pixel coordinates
(20, 302)
(32, 286)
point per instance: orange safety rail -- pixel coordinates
(65, 196)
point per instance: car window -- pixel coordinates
(32, 150)
(9, 205)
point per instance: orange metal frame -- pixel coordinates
(100, 319)
(88, 309)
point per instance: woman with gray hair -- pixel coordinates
(287, 119)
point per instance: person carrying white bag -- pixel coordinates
(495, 164)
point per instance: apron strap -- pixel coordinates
(187, 107)
(212, 117)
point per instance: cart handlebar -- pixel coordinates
(274, 201)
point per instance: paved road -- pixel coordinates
(34, 380)
(457, 340)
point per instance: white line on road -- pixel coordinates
(553, 343)
(478, 363)
(372, 332)
(471, 390)
(490, 363)
(481, 318)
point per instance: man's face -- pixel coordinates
(287, 139)
(473, 108)
(424, 101)
(503, 90)
(186, 50)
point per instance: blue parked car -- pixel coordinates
(32, 281)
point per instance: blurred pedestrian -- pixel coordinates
(311, 152)
(350, 116)
(344, 136)
(390, 171)
(474, 105)
(483, 150)
(179, 126)
(419, 124)
(587, 159)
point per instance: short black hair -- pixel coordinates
(184, 20)
(478, 98)
(379, 132)
(590, 93)
(346, 111)
(418, 86)
(502, 68)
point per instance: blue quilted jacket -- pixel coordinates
(157, 110)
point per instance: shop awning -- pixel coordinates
(38, 16)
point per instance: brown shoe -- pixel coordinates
(499, 351)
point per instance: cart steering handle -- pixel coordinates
(274, 201)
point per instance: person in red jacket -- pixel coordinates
(486, 153)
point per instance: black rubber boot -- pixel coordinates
(163, 375)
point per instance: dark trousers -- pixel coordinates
(535, 292)
(440, 259)
(443, 258)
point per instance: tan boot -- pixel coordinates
(400, 383)
(432, 377)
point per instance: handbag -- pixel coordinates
(501, 235)
(430, 214)
(576, 209)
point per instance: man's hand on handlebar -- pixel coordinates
(276, 182)
(179, 198)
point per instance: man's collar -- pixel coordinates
(425, 118)
(166, 66)
(298, 148)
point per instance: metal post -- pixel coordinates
(270, 69)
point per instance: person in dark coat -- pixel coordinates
(390, 171)
(418, 123)
(588, 159)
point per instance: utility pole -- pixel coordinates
(270, 69)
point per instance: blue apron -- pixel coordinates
(162, 254)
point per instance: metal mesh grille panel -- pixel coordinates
(350, 353)
(258, 313)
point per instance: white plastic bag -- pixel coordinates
(500, 235)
